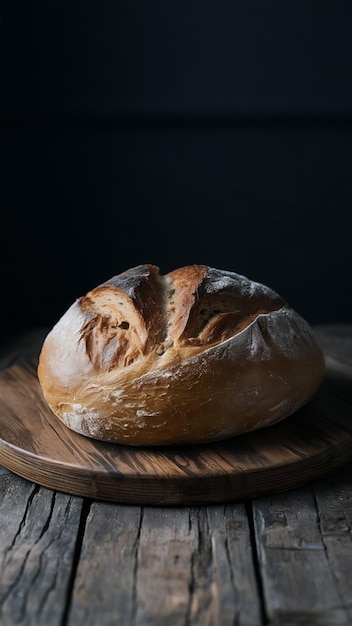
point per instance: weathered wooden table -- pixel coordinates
(281, 559)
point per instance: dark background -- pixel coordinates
(174, 133)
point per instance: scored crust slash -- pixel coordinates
(196, 355)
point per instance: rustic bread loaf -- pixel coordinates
(197, 355)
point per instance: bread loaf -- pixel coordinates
(196, 355)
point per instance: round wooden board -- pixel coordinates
(35, 445)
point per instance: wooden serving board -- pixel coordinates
(35, 445)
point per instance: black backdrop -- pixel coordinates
(214, 132)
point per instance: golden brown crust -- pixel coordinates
(197, 355)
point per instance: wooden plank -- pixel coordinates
(170, 566)
(107, 567)
(165, 573)
(334, 506)
(234, 588)
(298, 583)
(38, 533)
